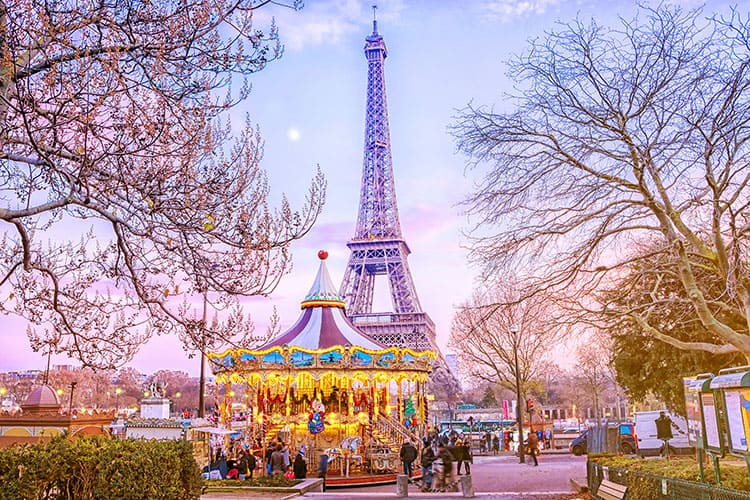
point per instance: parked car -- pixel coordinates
(626, 440)
(579, 446)
(628, 443)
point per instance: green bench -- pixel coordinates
(611, 491)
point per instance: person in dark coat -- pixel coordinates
(249, 464)
(300, 466)
(267, 457)
(323, 469)
(426, 459)
(533, 444)
(408, 454)
(445, 477)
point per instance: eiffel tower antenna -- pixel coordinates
(378, 247)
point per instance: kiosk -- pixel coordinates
(731, 398)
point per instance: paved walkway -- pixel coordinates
(494, 477)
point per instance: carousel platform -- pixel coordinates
(364, 479)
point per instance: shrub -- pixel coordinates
(733, 473)
(260, 481)
(98, 467)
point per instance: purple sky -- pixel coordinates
(310, 106)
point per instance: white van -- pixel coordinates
(649, 444)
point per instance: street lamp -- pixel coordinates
(514, 330)
(118, 391)
(70, 404)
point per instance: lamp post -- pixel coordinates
(514, 330)
(202, 380)
(118, 391)
(70, 404)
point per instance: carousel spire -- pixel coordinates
(323, 323)
(323, 292)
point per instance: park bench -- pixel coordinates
(611, 491)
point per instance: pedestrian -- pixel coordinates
(267, 457)
(407, 454)
(300, 466)
(533, 445)
(277, 462)
(426, 459)
(251, 464)
(466, 457)
(287, 460)
(495, 444)
(445, 477)
(323, 469)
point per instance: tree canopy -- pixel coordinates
(123, 181)
(499, 344)
(645, 365)
(622, 135)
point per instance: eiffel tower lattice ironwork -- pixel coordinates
(378, 248)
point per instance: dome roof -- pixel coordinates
(42, 396)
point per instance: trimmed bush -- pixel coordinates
(100, 468)
(733, 472)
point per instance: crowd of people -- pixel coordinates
(276, 459)
(440, 452)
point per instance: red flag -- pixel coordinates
(505, 409)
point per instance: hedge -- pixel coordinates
(99, 468)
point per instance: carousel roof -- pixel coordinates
(323, 323)
(322, 339)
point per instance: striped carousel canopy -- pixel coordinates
(322, 339)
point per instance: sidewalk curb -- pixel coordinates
(580, 486)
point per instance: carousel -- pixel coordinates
(326, 387)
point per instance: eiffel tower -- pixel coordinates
(378, 248)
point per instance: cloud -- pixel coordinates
(328, 22)
(509, 10)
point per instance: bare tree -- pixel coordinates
(637, 133)
(121, 179)
(592, 373)
(501, 343)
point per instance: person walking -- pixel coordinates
(407, 454)
(426, 459)
(533, 444)
(466, 457)
(445, 478)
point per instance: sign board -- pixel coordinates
(737, 403)
(711, 424)
(693, 387)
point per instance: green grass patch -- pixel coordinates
(260, 481)
(734, 472)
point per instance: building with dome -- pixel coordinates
(42, 416)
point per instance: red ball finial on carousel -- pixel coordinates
(322, 255)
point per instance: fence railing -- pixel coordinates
(644, 486)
